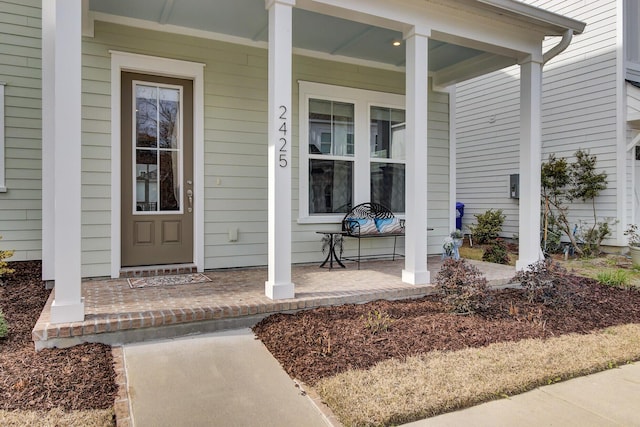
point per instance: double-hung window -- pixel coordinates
(352, 150)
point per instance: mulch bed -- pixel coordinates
(314, 344)
(78, 378)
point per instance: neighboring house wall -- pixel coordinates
(235, 144)
(20, 69)
(580, 110)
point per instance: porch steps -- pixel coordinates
(157, 270)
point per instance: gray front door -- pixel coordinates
(157, 170)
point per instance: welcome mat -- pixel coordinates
(177, 279)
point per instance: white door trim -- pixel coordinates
(123, 61)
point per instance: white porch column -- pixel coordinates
(415, 271)
(530, 162)
(279, 285)
(68, 305)
(48, 127)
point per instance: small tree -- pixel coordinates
(564, 183)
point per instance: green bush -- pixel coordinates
(617, 278)
(488, 227)
(4, 327)
(463, 286)
(496, 253)
(3, 264)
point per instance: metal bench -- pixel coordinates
(368, 220)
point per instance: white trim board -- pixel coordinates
(124, 61)
(362, 100)
(3, 188)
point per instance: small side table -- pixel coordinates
(331, 253)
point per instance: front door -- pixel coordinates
(157, 170)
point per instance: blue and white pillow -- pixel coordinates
(389, 225)
(362, 226)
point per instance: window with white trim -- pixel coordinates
(352, 150)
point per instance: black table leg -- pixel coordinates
(331, 254)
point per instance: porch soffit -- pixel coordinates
(326, 27)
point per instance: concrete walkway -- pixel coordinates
(230, 379)
(222, 379)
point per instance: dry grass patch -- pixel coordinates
(396, 392)
(58, 417)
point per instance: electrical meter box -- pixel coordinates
(514, 186)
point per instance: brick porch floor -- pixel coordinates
(117, 314)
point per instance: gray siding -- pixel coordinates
(20, 69)
(579, 111)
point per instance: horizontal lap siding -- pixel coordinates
(235, 144)
(306, 243)
(579, 111)
(20, 69)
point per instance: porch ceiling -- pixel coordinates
(248, 19)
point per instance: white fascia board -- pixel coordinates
(460, 25)
(540, 16)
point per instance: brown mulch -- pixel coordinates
(78, 378)
(318, 343)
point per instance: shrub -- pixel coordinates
(463, 286)
(488, 227)
(540, 282)
(377, 321)
(496, 253)
(4, 327)
(616, 278)
(3, 264)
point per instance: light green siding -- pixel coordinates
(235, 139)
(235, 143)
(20, 69)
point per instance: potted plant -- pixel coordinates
(633, 239)
(457, 237)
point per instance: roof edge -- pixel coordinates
(538, 14)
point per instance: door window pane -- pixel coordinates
(387, 185)
(158, 144)
(169, 108)
(387, 133)
(146, 180)
(330, 186)
(331, 128)
(169, 182)
(146, 116)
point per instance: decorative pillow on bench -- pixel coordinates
(362, 226)
(389, 225)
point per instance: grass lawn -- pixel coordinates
(399, 391)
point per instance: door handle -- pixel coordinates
(190, 198)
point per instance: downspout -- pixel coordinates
(559, 48)
(546, 57)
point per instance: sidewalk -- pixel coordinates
(230, 379)
(608, 398)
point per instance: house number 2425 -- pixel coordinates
(282, 141)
